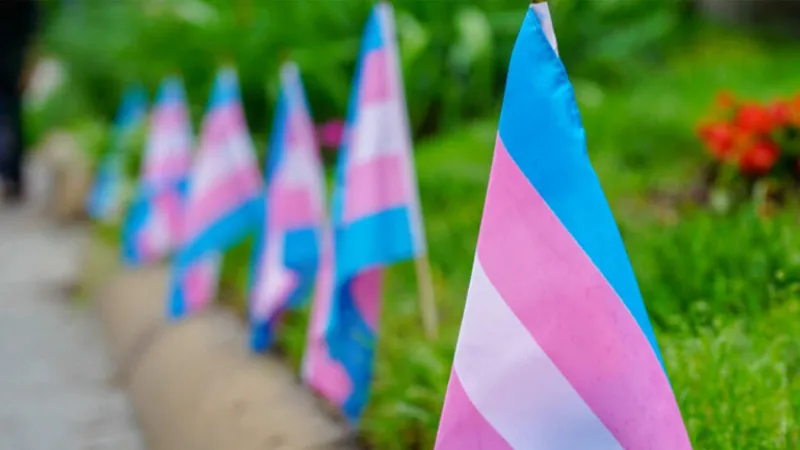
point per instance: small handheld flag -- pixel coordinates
(152, 226)
(224, 198)
(106, 193)
(286, 256)
(376, 213)
(556, 350)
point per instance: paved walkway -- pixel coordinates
(55, 392)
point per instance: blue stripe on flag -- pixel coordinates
(171, 91)
(352, 343)
(277, 147)
(373, 36)
(225, 90)
(563, 175)
(377, 240)
(302, 248)
(136, 218)
(224, 233)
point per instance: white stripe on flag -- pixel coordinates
(159, 236)
(542, 11)
(513, 383)
(378, 132)
(207, 172)
(299, 168)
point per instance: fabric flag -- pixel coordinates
(105, 196)
(376, 214)
(286, 254)
(152, 225)
(224, 199)
(319, 370)
(556, 350)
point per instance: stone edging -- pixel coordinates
(194, 385)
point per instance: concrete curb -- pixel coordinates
(194, 384)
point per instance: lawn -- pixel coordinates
(722, 289)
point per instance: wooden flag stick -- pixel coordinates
(427, 303)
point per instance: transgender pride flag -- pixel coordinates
(376, 214)
(152, 225)
(556, 350)
(106, 193)
(224, 199)
(286, 255)
(319, 370)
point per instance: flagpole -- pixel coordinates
(427, 301)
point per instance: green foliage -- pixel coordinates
(705, 268)
(454, 54)
(737, 384)
(132, 146)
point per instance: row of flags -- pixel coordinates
(555, 350)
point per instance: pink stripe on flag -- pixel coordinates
(365, 289)
(160, 232)
(375, 78)
(171, 115)
(223, 122)
(513, 383)
(143, 247)
(327, 376)
(278, 283)
(151, 243)
(294, 208)
(220, 199)
(573, 313)
(300, 129)
(377, 185)
(200, 283)
(462, 426)
(274, 282)
(169, 204)
(166, 168)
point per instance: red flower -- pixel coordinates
(725, 100)
(780, 113)
(759, 158)
(719, 137)
(754, 118)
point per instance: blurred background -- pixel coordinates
(691, 108)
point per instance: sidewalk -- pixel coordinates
(55, 388)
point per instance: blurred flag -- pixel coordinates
(105, 197)
(152, 226)
(376, 215)
(556, 350)
(224, 198)
(323, 374)
(287, 252)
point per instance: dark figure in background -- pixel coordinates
(18, 20)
